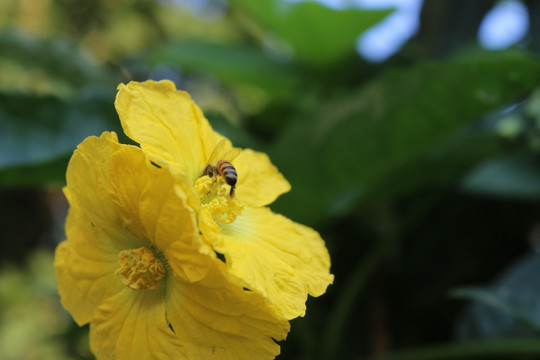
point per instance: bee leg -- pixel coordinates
(211, 172)
(231, 193)
(208, 171)
(214, 172)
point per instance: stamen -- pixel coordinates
(214, 196)
(140, 268)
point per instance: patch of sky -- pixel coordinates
(504, 25)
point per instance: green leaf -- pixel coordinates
(232, 64)
(57, 57)
(511, 307)
(515, 175)
(237, 134)
(396, 133)
(39, 130)
(51, 173)
(468, 350)
(320, 36)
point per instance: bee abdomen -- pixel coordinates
(227, 170)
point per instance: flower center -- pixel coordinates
(214, 195)
(140, 268)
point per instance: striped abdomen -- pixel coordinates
(227, 170)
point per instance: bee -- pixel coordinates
(226, 170)
(222, 167)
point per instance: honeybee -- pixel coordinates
(222, 167)
(226, 170)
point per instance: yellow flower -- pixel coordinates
(264, 252)
(135, 267)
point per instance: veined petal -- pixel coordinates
(106, 185)
(129, 174)
(216, 319)
(85, 269)
(171, 225)
(275, 257)
(133, 325)
(170, 128)
(259, 181)
(91, 190)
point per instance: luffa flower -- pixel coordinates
(264, 252)
(135, 267)
(145, 232)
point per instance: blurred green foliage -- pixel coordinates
(422, 172)
(33, 324)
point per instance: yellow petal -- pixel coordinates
(107, 182)
(170, 224)
(259, 181)
(174, 133)
(218, 320)
(102, 221)
(91, 190)
(279, 259)
(168, 125)
(133, 325)
(128, 175)
(85, 269)
(136, 203)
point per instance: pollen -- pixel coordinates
(214, 195)
(140, 268)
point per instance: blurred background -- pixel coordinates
(409, 130)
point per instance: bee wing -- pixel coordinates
(232, 154)
(220, 152)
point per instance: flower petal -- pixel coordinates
(85, 269)
(217, 319)
(170, 224)
(270, 254)
(154, 207)
(128, 175)
(91, 189)
(106, 181)
(168, 125)
(173, 132)
(133, 325)
(259, 181)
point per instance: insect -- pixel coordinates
(223, 167)
(226, 170)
